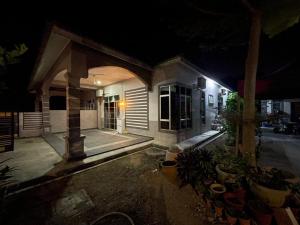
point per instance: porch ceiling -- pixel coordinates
(108, 66)
(98, 77)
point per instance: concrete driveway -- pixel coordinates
(281, 151)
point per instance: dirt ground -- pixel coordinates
(132, 185)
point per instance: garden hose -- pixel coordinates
(113, 213)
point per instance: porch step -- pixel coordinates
(198, 140)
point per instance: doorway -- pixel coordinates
(111, 111)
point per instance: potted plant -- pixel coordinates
(234, 201)
(244, 218)
(269, 186)
(195, 166)
(217, 189)
(231, 216)
(4, 176)
(261, 212)
(172, 153)
(229, 165)
(169, 170)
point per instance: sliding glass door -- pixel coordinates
(111, 111)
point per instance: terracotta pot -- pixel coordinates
(272, 197)
(231, 219)
(169, 170)
(261, 213)
(233, 200)
(245, 221)
(219, 206)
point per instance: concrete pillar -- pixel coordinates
(37, 102)
(46, 111)
(74, 141)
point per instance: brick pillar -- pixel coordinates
(46, 112)
(74, 140)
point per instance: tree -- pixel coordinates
(9, 57)
(221, 24)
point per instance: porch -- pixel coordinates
(97, 141)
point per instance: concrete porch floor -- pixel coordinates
(97, 141)
(34, 160)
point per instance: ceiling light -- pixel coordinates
(98, 82)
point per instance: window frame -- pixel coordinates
(186, 119)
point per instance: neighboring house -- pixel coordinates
(289, 106)
(103, 88)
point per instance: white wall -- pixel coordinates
(58, 120)
(27, 133)
(174, 72)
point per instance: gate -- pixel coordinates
(7, 128)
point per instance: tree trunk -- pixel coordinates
(248, 140)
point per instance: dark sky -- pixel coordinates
(139, 29)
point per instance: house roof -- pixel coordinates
(186, 62)
(56, 39)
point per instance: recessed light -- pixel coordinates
(98, 82)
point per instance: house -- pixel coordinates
(105, 89)
(290, 107)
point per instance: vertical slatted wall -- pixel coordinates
(6, 131)
(32, 120)
(136, 113)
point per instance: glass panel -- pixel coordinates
(164, 90)
(175, 104)
(182, 90)
(183, 124)
(117, 98)
(188, 92)
(188, 107)
(164, 107)
(164, 125)
(182, 107)
(189, 123)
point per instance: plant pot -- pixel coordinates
(172, 153)
(261, 213)
(231, 218)
(272, 197)
(219, 206)
(229, 148)
(208, 182)
(169, 170)
(222, 175)
(245, 221)
(234, 201)
(217, 189)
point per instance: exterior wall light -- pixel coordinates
(122, 103)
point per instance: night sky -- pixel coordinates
(140, 29)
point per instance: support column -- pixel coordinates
(46, 112)
(37, 102)
(74, 141)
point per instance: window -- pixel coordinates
(175, 107)
(202, 107)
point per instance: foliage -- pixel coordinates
(221, 25)
(296, 188)
(279, 15)
(274, 178)
(229, 162)
(12, 56)
(195, 165)
(231, 116)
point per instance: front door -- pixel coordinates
(111, 111)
